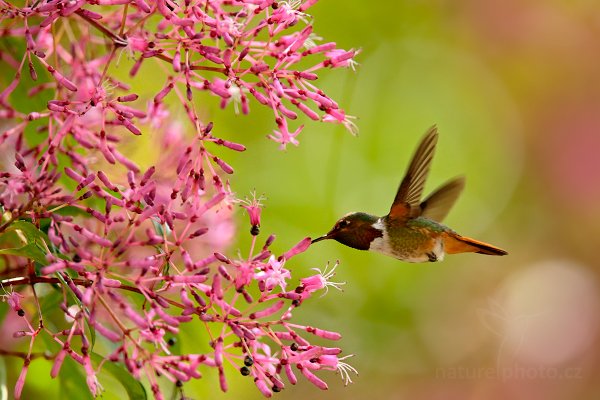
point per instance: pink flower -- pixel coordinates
(253, 207)
(13, 299)
(135, 240)
(342, 58)
(321, 280)
(273, 274)
(301, 247)
(156, 114)
(333, 363)
(339, 116)
(284, 136)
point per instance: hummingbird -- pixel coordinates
(412, 231)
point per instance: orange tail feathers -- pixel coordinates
(454, 244)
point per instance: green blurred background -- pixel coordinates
(513, 87)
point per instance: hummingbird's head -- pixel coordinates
(355, 230)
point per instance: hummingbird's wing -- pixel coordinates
(408, 198)
(437, 205)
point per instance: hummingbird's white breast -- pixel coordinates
(383, 245)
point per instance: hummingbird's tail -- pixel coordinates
(454, 243)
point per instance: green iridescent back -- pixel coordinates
(409, 237)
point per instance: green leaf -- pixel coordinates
(31, 251)
(76, 300)
(71, 211)
(50, 303)
(92, 335)
(135, 389)
(3, 311)
(51, 345)
(158, 228)
(33, 241)
(3, 387)
(31, 232)
(72, 381)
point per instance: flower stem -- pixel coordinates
(116, 39)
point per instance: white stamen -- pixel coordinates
(345, 369)
(328, 274)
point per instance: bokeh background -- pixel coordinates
(513, 87)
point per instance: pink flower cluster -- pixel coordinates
(132, 253)
(236, 50)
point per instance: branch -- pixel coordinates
(32, 280)
(117, 40)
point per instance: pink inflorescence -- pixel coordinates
(263, 50)
(129, 253)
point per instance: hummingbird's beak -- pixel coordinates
(319, 239)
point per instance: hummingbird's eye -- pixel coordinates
(343, 223)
